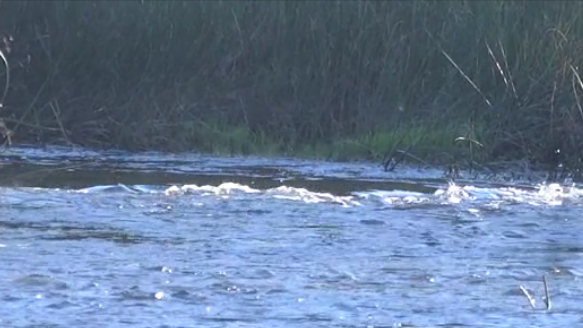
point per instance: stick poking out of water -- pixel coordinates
(531, 299)
(547, 295)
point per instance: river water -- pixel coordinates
(112, 239)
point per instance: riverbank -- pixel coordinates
(338, 80)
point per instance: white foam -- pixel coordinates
(223, 189)
(306, 196)
(552, 194)
(544, 194)
(282, 192)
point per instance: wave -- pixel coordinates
(544, 194)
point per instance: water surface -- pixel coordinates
(111, 239)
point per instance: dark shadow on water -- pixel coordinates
(71, 177)
(112, 236)
(60, 231)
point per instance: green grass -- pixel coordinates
(330, 79)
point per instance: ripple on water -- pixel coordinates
(291, 252)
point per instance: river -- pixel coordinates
(115, 239)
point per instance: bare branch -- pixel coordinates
(531, 300)
(547, 295)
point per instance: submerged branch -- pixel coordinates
(531, 299)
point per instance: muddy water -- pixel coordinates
(113, 239)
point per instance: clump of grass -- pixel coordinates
(342, 79)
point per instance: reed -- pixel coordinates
(160, 74)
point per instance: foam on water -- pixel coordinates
(306, 196)
(282, 192)
(544, 194)
(223, 189)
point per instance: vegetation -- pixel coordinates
(335, 79)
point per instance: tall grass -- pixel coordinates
(155, 74)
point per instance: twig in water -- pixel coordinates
(531, 300)
(547, 295)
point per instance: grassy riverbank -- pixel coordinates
(332, 79)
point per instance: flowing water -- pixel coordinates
(112, 239)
